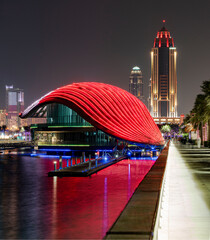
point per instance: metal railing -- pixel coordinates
(92, 162)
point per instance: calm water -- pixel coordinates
(34, 206)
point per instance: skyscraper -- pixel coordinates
(14, 106)
(163, 102)
(2, 117)
(136, 83)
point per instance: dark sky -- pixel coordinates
(47, 44)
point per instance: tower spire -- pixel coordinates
(164, 21)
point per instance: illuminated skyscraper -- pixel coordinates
(163, 100)
(14, 106)
(2, 117)
(136, 83)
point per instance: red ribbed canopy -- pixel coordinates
(109, 108)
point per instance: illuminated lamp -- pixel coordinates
(167, 43)
(129, 153)
(108, 108)
(154, 42)
(172, 42)
(159, 43)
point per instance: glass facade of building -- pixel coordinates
(14, 106)
(65, 127)
(136, 83)
(58, 114)
(163, 100)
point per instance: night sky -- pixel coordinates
(48, 44)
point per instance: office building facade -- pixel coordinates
(163, 96)
(14, 106)
(136, 83)
(2, 117)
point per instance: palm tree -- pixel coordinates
(165, 129)
(200, 114)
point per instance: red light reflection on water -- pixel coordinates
(87, 207)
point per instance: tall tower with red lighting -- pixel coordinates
(163, 100)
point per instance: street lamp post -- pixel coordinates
(55, 165)
(60, 162)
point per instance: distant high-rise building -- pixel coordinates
(2, 117)
(14, 106)
(149, 97)
(163, 102)
(136, 83)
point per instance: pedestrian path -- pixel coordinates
(186, 209)
(137, 219)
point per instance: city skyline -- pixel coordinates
(46, 44)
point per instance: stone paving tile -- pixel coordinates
(188, 205)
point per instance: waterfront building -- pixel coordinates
(136, 83)
(92, 116)
(14, 106)
(163, 101)
(65, 128)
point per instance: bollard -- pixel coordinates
(55, 165)
(60, 162)
(83, 156)
(96, 162)
(71, 162)
(89, 161)
(75, 160)
(80, 159)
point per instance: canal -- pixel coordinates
(34, 206)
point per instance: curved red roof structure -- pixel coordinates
(108, 108)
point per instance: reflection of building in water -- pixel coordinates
(65, 127)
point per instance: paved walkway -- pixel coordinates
(186, 206)
(137, 219)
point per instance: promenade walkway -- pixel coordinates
(186, 206)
